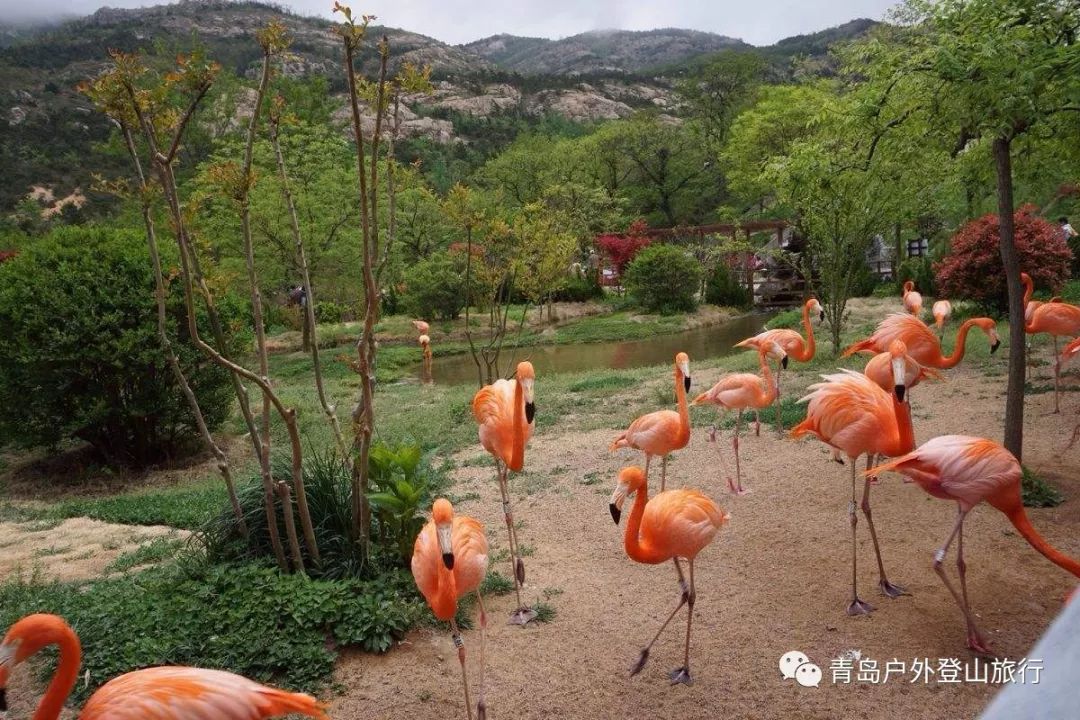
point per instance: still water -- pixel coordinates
(699, 343)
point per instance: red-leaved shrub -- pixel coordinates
(622, 248)
(973, 269)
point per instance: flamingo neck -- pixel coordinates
(67, 672)
(809, 348)
(905, 437)
(684, 410)
(637, 550)
(1029, 289)
(769, 393)
(445, 602)
(517, 451)
(959, 348)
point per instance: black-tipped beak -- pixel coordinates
(821, 316)
(3, 700)
(900, 392)
(686, 383)
(616, 513)
(530, 411)
(448, 560)
(783, 362)
(995, 346)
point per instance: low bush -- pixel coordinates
(579, 289)
(724, 289)
(920, 271)
(663, 279)
(435, 287)
(1037, 492)
(328, 311)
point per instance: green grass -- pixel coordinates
(157, 550)
(186, 506)
(1037, 492)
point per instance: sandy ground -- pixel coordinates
(776, 579)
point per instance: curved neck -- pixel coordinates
(904, 442)
(445, 602)
(769, 393)
(680, 398)
(809, 348)
(635, 548)
(67, 672)
(1029, 289)
(958, 349)
(517, 454)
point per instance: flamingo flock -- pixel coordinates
(852, 413)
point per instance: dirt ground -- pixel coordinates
(776, 579)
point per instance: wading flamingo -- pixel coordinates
(421, 327)
(158, 693)
(505, 412)
(742, 391)
(1060, 320)
(851, 414)
(792, 344)
(674, 524)
(969, 470)
(425, 344)
(449, 561)
(912, 299)
(664, 431)
(922, 344)
(941, 310)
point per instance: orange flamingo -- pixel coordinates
(1031, 305)
(851, 414)
(505, 412)
(421, 327)
(159, 693)
(794, 347)
(674, 524)
(664, 431)
(1060, 320)
(879, 369)
(941, 310)
(425, 344)
(912, 299)
(449, 561)
(969, 470)
(742, 391)
(1070, 352)
(922, 344)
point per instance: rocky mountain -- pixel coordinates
(601, 50)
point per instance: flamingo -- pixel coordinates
(923, 346)
(1068, 354)
(741, 391)
(505, 412)
(425, 343)
(851, 414)
(158, 693)
(794, 347)
(879, 369)
(912, 299)
(941, 310)
(1059, 319)
(421, 327)
(449, 561)
(674, 524)
(1031, 305)
(664, 431)
(969, 470)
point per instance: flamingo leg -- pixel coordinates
(684, 597)
(1075, 435)
(893, 591)
(974, 638)
(682, 674)
(460, 645)
(757, 423)
(737, 488)
(663, 472)
(648, 459)
(522, 615)
(857, 606)
(779, 410)
(481, 706)
(1057, 377)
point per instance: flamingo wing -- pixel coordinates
(681, 521)
(942, 310)
(425, 561)
(913, 302)
(789, 340)
(470, 553)
(184, 693)
(920, 340)
(655, 433)
(1070, 351)
(849, 412)
(735, 391)
(493, 408)
(1056, 318)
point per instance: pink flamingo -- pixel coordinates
(922, 344)
(1060, 320)
(912, 299)
(969, 470)
(941, 310)
(742, 391)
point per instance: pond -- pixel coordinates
(699, 343)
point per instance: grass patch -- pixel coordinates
(156, 551)
(185, 506)
(544, 613)
(602, 382)
(1038, 493)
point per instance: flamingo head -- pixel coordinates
(526, 376)
(424, 340)
(815, 307)
(631, 479)
(442, 514)
(989, 326)
(898, 361)
(909, 285)
(24, 639)
(778, 352)
(682, 365)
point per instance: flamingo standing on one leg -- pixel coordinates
(664, 431)
(674, 524)
(851, 414)
(425, 344)
(421, 327)
(449, 561)
(794, 347)
(158, 693)
(742, 391)
(941, 310)
(970, 470)
(912, 299)
(1030, 306)
(505, 412)
(1071, 350)
(921, 342)
(1060, 320)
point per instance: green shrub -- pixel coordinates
(1037, 492)
(328, 311)
(791, 319)
(724, 289)
(80, 355)
(435, 287)
(920, 271)
(664, 279)
(580, 289)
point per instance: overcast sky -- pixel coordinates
(759, 22)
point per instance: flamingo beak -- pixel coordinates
(3, 702)
(898, 377)
(783, 362)
(994, 346)
(530, 412)
(617, 499)
(530, 401)
(446, 547)
(616, 513)
(686, 383)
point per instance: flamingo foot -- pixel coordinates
(838, 460)
(642, 659)
(859, 606)
(522, 616)
(977, 645)
(875, 480)
(893, 591)
(681, 675)
(481, 711)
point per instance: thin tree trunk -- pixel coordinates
(290, 525)
(1014, 396)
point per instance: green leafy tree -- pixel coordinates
(664, 279)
